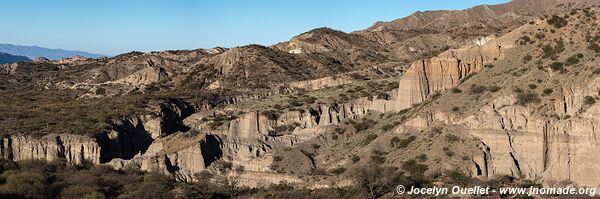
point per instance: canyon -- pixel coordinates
(497, 92)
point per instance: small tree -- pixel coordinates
(375, 180)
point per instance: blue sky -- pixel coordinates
(118, 26)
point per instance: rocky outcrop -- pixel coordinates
(320, 83)
(144, 76)
(74, 149)
(9, 69)
(175, 156)
(132, 136)
(437, 74)
(243, 141)
(519, 142)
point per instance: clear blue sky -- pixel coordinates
(118, 26)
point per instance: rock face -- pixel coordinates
(518, 142)
(8, 69)
(426, 77)
(74, 149)
(243, 141)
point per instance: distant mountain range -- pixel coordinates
(33, 52)
(8, 58)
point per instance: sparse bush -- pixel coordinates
(494, 88)
(414, 168)
(271, 114)
(387, 127)
(405, 142)
(572, 60)
(448, 152)
(384, 96)
(455, 109)
(452, 138)
(548, 91)
(524, 40)
(489, 65)
(595, 47)
(369, 139)
(596, 71)
(527, 58)
(478, 89)
(557, 66)
(421, 157)
(377, 159)
(375, 181)
(525, 98)
(355, 158)
(589, 100)
(551, 51)
(458, 177)
(364, 125)
(467, 77)
(557, 21)
(100, 91)
(456, 90)
(395, 140)
(532, 86)
(338, 171)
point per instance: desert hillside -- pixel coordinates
(500, 95)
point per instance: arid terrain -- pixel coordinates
(495, 95)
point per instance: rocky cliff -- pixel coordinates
(71, 148)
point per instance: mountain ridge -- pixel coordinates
(6, 58)
(33, 52)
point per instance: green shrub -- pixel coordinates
(387, 127)
(524, 40)
(494, 88)
(467, 77)
(364, 125)
(458, 177)
(572, 60)
(456, 90)
(377, 159)
(589, 100)
(557, 66)
(557, 21)
(455, 109)
(369, 139)
(338, 171)
(405, 142)
(100, 91)
(452, 138)
(527, 58)
(414, 168)
(271, 114)
(448, 152)
(384, 96)
(532, 86)
(395, 140)
(595, 47)
(551, 51)
(478, 89)
(525, 98)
